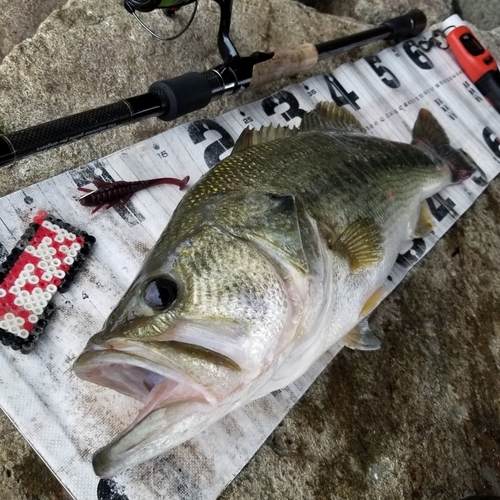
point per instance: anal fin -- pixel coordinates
(425, 223)
(362, 338)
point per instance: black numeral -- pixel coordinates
(109, 489)
(440, 207)
(479, 177)
(213, 151)
(417, 56)
(446, 109)
(270, 104)
(492, 141)
(339, 94)
(385, 74)
(413, 255)
(472, 91)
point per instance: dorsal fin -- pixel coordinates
(251, 137)
(329, 116)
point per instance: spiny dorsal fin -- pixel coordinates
(362, 338)
(361, 244)
(251, 137)
(329, 116)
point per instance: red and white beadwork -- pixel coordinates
(35, 276)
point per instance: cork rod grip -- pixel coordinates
(284, 63)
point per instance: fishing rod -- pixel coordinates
(181, 95)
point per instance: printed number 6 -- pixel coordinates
(417, 56)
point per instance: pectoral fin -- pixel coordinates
(362, 338)
(361, 244)
(425, 223)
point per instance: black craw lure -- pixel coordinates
(112, 193)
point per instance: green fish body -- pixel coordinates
(275, 255)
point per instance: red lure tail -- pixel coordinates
(120, 192)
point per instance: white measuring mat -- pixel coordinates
(66, 419)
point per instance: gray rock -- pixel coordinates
(23, 475)
(20, 19)
(485, 14)
(377, 11)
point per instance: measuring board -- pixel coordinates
(66, 419)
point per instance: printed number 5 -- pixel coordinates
(385, 74)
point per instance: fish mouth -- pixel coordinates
(175, 405)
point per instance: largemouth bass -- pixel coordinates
(276, 254)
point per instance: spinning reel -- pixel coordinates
(226, 48)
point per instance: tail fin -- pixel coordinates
(430, 136)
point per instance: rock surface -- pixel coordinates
(484, 14)
(377, 11)
(417, 419)
(19, 20)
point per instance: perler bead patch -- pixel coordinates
(45, 260)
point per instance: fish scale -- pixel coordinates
(276, 254)
(304, 169)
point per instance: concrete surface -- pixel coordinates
(417, 419)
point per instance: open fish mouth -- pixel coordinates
(175, 405)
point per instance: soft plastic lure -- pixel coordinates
(120, 192)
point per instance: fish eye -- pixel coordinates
(160, 293)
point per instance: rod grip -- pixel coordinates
(284, 63)
(62, 131)
(182, 95)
